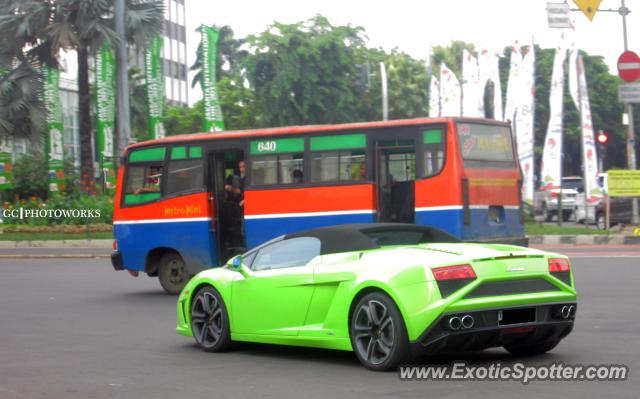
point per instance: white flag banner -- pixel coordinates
(471, 93)
(552, 154)
(524, 123)
(434, 98)
(514, 87)
(490, 71)
(573, 77)
(589, 153)
(449, 92)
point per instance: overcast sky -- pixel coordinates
(413, 26)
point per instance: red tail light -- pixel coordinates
(458, 272)
(559, 265)
(554, 194)
(115, 245)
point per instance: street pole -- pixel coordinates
(385, 94)
(631, 140)
(122, 82)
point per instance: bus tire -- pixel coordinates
(172, 273)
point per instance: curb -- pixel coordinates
(101, 243)
(594, 239)
(53, 256)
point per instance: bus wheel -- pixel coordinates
(172, 273)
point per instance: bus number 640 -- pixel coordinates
(266, 146)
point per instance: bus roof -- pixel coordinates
(233, 134)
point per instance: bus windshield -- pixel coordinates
(484, 142)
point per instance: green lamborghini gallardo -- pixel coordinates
(386, 292)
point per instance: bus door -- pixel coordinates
(395, 177)
(227, 215)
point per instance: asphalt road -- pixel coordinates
(74, 328)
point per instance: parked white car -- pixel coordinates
(546, 200)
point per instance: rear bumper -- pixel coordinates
(116, 261)
(487, 331)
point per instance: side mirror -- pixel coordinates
(235, 263)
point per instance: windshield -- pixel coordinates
(572, 184)
(483, 142)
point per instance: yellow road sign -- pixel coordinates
(588, 7)
(624, 183)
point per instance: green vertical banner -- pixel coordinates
(54, 145)
(155, 89)
(6, 163)
(212, 113)
(105, 113)
(6, 158)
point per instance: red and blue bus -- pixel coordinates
(457, 174)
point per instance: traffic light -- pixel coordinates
(602, 138)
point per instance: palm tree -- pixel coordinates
(22, 112)
(36, 30)
(228, 53)
(138, 104)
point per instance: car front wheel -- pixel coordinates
(378, 334)
(210, 321)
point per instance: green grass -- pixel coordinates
(537, 229)
(54, 236)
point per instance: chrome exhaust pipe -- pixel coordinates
(467, 321)
(564, 312)
(455, 323)
(572, 311)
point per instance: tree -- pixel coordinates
(181, 120)
(36, 30)
(305, 72)
(22, 112)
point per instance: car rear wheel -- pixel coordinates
(172, 273)
(378, 334)
(210, 321)
(530, 350)
(601, 221)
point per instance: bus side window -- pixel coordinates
(184, 176)
(143, 184)
(338, 157)
(277, 169)
(434, 149)
(338, 166)
(185, 171)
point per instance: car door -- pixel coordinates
(274, 296)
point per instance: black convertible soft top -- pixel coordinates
(363, 236)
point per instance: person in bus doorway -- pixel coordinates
(234, 187)
(233, 210)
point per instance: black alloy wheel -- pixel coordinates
(378, 334)
(210, 321)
